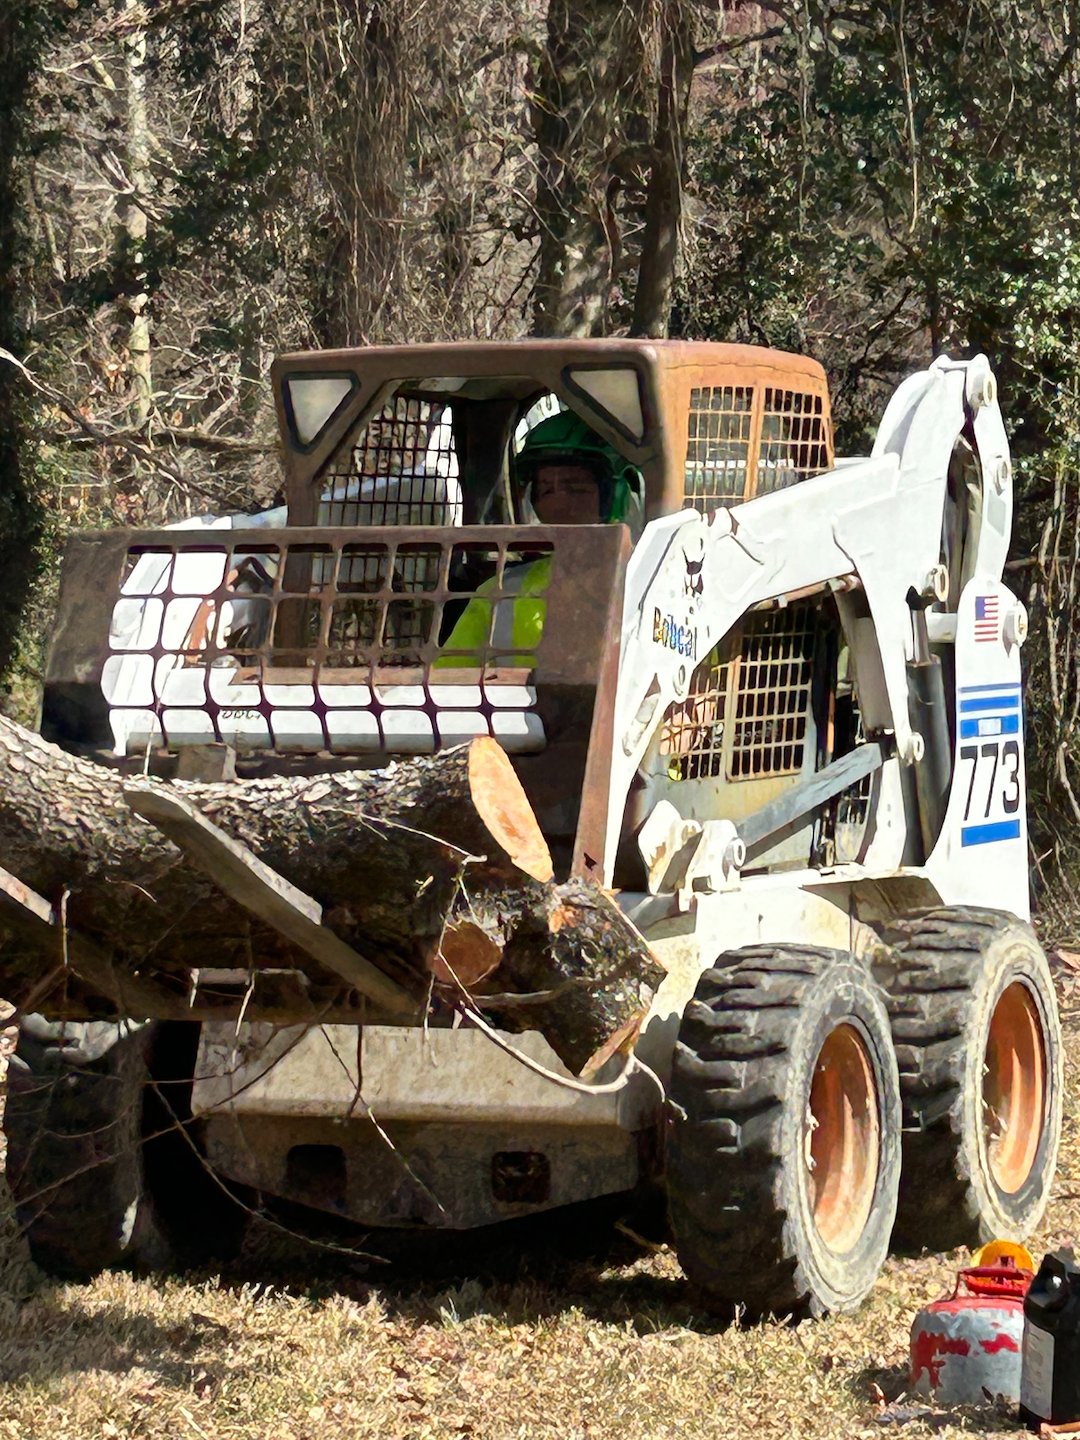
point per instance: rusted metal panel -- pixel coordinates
(437, 1075)
(197, 645)
(157, 621)
(762, 418)
(590, 840)
(523, 370)
(289, 1111)
(74, 709)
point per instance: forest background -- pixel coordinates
(188, 187)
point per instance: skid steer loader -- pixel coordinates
(776, 713)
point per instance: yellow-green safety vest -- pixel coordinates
(519, 622)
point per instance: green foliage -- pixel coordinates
(49, 525)
(893, 193)
(882, 184)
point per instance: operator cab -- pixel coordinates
(436, 438)
(429, 434)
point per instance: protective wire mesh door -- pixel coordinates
(748, 710)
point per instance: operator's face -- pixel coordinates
(566, 495)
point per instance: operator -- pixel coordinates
(568, 476)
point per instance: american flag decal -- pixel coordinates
(986, 618)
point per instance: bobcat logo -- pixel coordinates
(693, 580)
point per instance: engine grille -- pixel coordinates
(747, 717)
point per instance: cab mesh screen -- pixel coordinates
(718, 446)
(400, 470)
(747, 718)
(772, 700)
(793, 440)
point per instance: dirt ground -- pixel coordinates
(568, 1330)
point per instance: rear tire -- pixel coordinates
(978, 1041)
(782, 1177)
(203, 1217)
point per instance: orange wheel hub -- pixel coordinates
(843, 1139)
(1013, 1088)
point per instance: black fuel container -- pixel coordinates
(1050, 1370)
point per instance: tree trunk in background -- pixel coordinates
(579, 117)
(663, 200)
(131, 214)
(361, 103)
(25, 26)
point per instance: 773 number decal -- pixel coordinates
(992, 801)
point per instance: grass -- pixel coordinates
(570, 1331)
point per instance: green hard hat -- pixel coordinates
(566, 439)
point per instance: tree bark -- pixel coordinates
(580, 111)
(133, 122)
(363, 99)
(25, 28)
(581, 953)
(433, 849)
(374, 847)
(663, 198)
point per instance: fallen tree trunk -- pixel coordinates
(413, 865)
(383, 849)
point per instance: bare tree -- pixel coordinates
(667, 171)
(612, 107)
(133, 124)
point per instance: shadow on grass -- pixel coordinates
(899, 1407)
(573, 1259)
(890, 1380)
(52, 1334)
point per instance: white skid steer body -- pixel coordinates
(872, 526)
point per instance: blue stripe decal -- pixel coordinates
(989, 725)
(990, 702)
(987, 834)
(985, 689)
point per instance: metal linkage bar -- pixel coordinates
(812, 793)
(258, 888)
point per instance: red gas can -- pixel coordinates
(966, 1347)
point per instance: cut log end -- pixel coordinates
(621, 1043)
(503, 806)
(466, 956)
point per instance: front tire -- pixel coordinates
(73, 1121)
(782, 1175)
(102, 1153)
(978, 1040)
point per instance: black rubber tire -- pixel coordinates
(73, 1120)
(738, 1194)
(945, 971)
(102, 1155)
